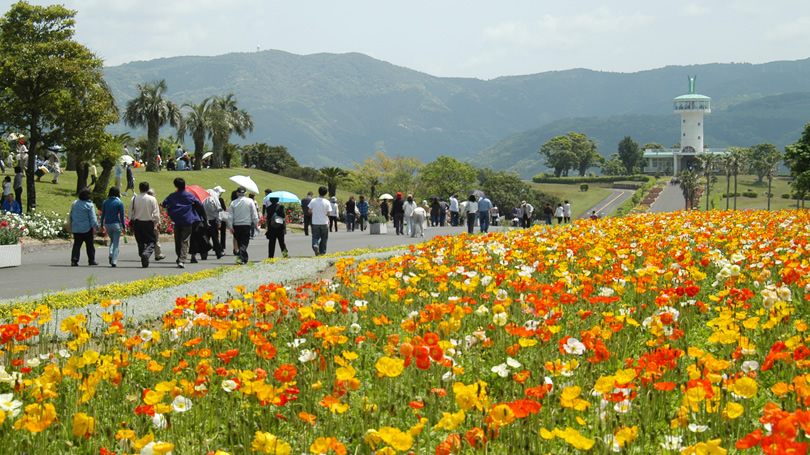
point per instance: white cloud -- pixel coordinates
(697, 10)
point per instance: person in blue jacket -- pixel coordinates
(112, 219)
(10, 205)
(84, 225)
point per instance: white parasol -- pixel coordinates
(126, 159)
(207, 154)
(385, 196)
(246, 181)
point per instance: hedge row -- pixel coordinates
(631, 203)
(545, 178)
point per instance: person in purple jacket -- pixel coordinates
(182, 207)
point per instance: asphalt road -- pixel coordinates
(49, 270)
(607, 205)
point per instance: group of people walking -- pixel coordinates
(199, 226)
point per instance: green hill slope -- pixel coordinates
(777, 119)
(330, 109)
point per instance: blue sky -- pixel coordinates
(450, 38)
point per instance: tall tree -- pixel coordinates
(274, 159)
(51, 87)
(394, 173)
(197, 122)
(446, 176)
(152, 110)
(736, 163)
(226, 119)
(688, 181)
(759, 156)
(630, 155)
(708, 162)
(770, 165)
(797, 157)
(585, 151)
(560, 155)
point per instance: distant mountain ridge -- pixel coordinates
(335, 109)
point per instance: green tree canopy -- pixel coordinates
(152, 110)
(760, 157)
(274, 159)
(51, 87)
(196, 122)
(630, 155)
(572, 151)
(797, 157)
(226, 119)
(446, 176)
(394, 174)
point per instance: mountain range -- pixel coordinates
(336, 109)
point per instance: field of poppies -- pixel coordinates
(682, 333)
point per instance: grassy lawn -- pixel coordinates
(58, 198)
(780, 185)
(581, 201)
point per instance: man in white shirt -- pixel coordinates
(409, 207)
(144, 218)
(454, 210)
(242, 216)
(320, 208)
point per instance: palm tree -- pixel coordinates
(708, 161)
(152, 110)
(688, 181)
(197, 122)
(770, 164)
(726, 162)
(226, 119)
(332, 175)
(737, 161)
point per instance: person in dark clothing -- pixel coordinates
(443, 206)
(183, 208)
(130, 179)
(548, 212)
(350, 214)
(398, 213)
(384, 209)
(435, 210)
(223, 225)
(307, 216)
(200, 241)
(275, 231)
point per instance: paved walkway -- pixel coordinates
(670, 200)
(607, 205)
(48, 269)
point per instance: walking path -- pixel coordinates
(607, 205)
(670, 200)
(48, 270)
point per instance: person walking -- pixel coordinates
(351, 207)
(320, 209)
(130, 180)
(484, 206)
(213, 216)
(182, 207)
(119, 173)
(558, 213)
(526, 212)
(548, 212)
(362, 207)
(384, 208)
(409, 206)
(443, 206)
(471, 209)
(333, 214)
(6, 187)
(276, 228)
(159, 256)
(10, 205)
(307, 214)
(454, 210)
(419, 218)
(18, 184)
(254, 230)
(112, 221)
(144, 219)
(567, 212)
(84, 225)
(398, 213)
(223, 218)
(242, 216)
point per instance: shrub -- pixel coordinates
(583, 187)
(376, 219)
(10, 234)
(751, 194)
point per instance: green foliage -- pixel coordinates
(52, 87)
(152, 110)
(307, 174)
(506, 190)
(446, 176)
(268, 158)
(583, 187)
(797, 157)
(392, 174)
(631, 203)
(226, 118)
(572, 151)
(613, 166)
(751, 194)
(630, 155)
(603, 179)
(332, 176)
(196, 122)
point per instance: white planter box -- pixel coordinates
(378, 228)
(10, 255)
